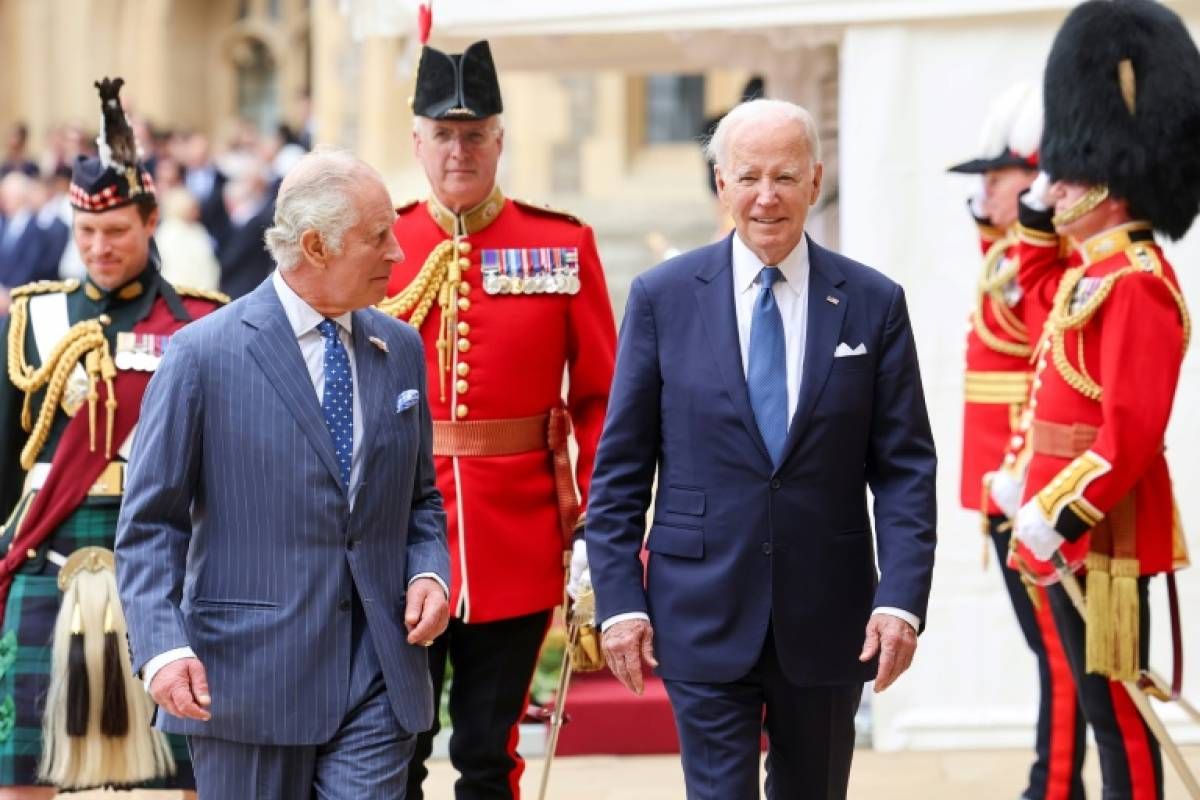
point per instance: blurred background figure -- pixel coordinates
(250, 205)
(183, 243)
(15, 157)
(207, 185)
(22, 244)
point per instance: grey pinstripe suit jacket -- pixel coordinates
(237, 538)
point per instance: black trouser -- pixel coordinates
(1130, 763)
(1060, 743)
(493, 663)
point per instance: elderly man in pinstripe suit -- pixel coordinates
(282, 539)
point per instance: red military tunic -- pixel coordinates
(996, 384)
(1106, 379)
(506, 360)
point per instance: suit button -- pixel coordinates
(776, 483)
(463, 369)
(464, 345)
(766, 548)
(464, 304)
(344, 605)
(462, 411)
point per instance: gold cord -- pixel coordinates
(83, 340)
(438, 279)
(991, 290)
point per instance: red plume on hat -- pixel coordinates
(424, 21)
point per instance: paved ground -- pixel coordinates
(977, 775)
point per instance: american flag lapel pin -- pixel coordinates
(832, 300)
(380, 343)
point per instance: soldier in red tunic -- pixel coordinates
(510, 299)
(997, 382)
(1122, 107)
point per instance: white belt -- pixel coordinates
(36, 477)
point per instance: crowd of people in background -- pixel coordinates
(215, 203)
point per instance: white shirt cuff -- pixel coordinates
(436, 577)
(615, 618)
(900, 613)
(159, 661)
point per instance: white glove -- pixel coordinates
(580, 578)
(1035, 532)
(1006, 491)
(1036, 198)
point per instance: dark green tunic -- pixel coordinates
(34, 599)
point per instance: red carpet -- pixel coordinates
(605, 718)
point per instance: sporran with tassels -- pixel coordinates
(96, 729)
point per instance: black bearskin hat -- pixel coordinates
(1122, 109)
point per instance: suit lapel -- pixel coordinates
(824, 329)
(714, 296)
(273, 345)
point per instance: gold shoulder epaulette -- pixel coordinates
(407, 206)
(1142, 256)
(45, 287)
(201, 294)
(548, 211)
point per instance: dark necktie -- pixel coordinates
(337, 404)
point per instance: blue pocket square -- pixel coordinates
(407, 399)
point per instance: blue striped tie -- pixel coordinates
(337, 404)
(766, 375)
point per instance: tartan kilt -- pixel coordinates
(26, 640)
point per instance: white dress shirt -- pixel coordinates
(791, 296)
(304, 320)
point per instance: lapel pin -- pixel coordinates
(380, 343)
(832, 299)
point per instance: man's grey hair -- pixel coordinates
(755, 111)
(318, 194)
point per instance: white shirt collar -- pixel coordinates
(300, 315)
(746, 266)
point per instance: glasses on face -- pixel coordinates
(471, 139)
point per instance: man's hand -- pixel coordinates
(579, 580)
(895, 641)
(626, 645)
(426, 611)
(181, 689)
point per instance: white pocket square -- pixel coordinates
(407, 399)
(843, 350)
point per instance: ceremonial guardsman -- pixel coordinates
(78, 358)
(1120, 147)
(998, 374)
(509, 297)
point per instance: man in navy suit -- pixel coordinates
(282, 539)
(771, 382)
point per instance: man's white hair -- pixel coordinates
(755, 111)
(318, 194)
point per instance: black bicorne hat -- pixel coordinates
(116, 177)
(1122, 106)
(457, 86)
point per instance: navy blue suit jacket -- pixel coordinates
(737, 543)
(237, 537)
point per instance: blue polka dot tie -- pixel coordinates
(337, 406)
(766, 374)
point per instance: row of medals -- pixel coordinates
(506, 271)
(534, 284)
